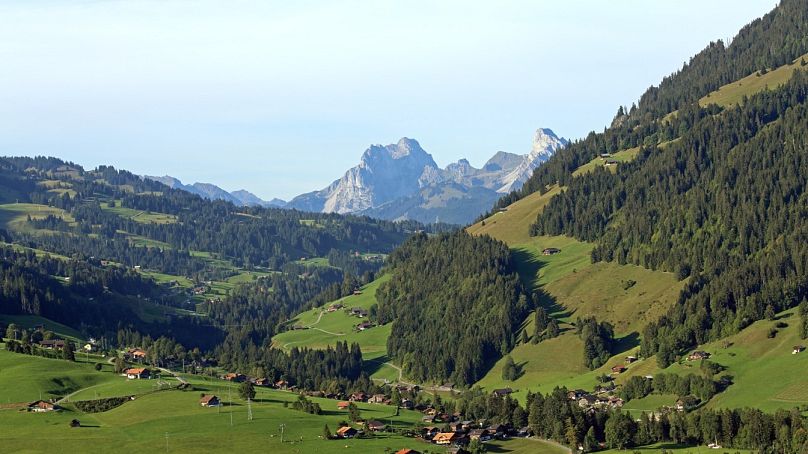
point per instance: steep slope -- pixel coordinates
(383, 174)
(713, 192)
(569, 285)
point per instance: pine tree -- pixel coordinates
(247, 390)
(590, 442)
(326, 432)
(67, 352)
(120, 366)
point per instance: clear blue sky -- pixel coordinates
(281, 97)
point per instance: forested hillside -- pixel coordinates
(714, 193)
(455, 302)
(103, 250)
(725, 204)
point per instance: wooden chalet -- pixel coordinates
(698, 355)
(137, 373)
(358, 397)
(375, 426)
(346, 432)
(234, 377)
(550, 251)
(501, 392)
(52, 343)
(480, 434)
(42, 406)
(446, 438)
(209, 400)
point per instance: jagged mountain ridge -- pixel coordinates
(402, 181)
(210, 191)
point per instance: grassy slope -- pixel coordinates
(144, 422)
(26, 378)
(340, 326)
(140, 216)
(13, 216)
(765, 373)
(575, 287)
(733, 93)
(31, 321)
(620, 156)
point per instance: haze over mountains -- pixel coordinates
(402, 181)
(210, 191)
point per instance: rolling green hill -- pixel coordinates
(175, 419)
(325, 328)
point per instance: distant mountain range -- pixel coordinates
(402, 181)
(212, 192)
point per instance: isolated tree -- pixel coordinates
(326, 432)
(67, 352)
(120, 366)
(99, 366)
(553, 329)
(769, 312)
(353, 412)
(509, 369)
(11, 331)
(247, 390)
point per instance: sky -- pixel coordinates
(280, 97)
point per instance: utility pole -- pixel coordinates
(166, 441)
(282, 427)
(249, 409)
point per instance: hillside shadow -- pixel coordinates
(628, 342)
(371, 366)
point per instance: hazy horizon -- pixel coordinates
(280, 99)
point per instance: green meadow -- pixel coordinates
(620, 156)
(571, 286)
(14, 216)
(734, 92)
(144, 217)
(325, 328)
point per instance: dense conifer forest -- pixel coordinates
(456, 303)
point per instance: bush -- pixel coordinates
(100, 405)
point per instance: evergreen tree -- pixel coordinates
(590, 443)
(353, 412)
(246, 390)
(67, 352)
